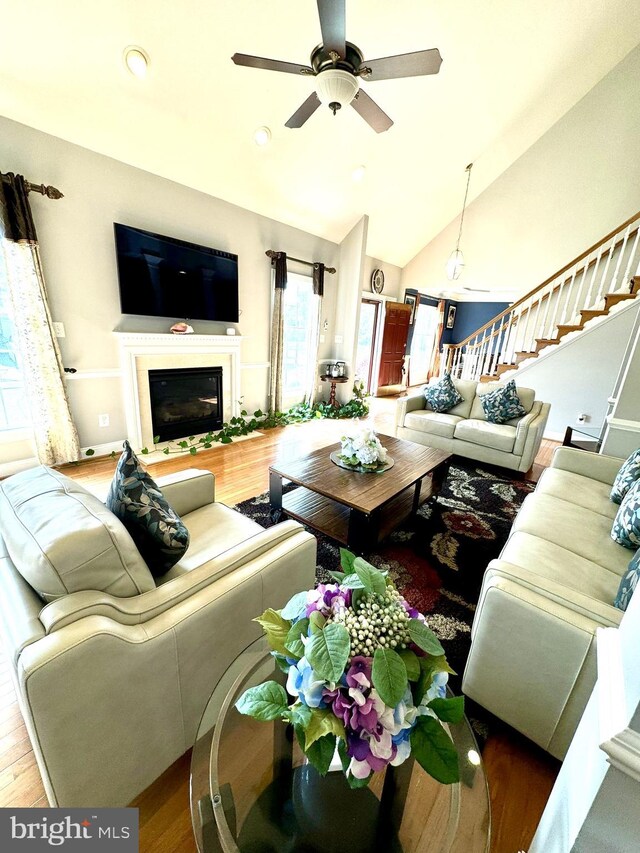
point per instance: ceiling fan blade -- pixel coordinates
(371, 112)
(404, 65)
(305, 111)
(270, 64)
(333, 25)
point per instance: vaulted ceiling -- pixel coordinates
(511, 69)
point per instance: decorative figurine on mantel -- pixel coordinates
(181, 329)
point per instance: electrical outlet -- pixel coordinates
(103, 420)
(58, 330)
(582, 418)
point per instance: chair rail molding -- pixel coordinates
(144, 351)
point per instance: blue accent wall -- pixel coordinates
(469, 317)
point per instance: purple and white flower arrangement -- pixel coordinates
(363, 449)
(365, 675)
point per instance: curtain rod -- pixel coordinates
(271, 253)
(50, 192)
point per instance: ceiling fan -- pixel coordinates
(338, 64)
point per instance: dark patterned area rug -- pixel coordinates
(437, 560)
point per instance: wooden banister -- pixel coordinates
(551, 278)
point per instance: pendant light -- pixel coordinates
(455, 264)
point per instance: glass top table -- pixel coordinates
(585, 438)
(253, 791)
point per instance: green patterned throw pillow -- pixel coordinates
(626, 525)
(628, 583)
(627, 475)
(443, 395)
(157, 531)
(503, 404)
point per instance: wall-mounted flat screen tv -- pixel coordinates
(164, 277)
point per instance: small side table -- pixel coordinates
(334, 380)
(583, 439)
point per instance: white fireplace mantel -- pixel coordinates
(143, 351)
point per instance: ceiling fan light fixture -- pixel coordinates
(455, 265)
(336, 87)
(136, 60)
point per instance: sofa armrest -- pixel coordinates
(593, 465)
(408, 404)
(271, 545)
(20, 608)
(523, 426)
(188, 490)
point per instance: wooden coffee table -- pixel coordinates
(357, 509)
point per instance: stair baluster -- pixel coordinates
(614, 280)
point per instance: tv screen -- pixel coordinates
(164, 277)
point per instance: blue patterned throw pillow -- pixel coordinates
(628, 583)
(442, 395)
(503, 404)
(157, 531)
(626, 525)
(626, 477)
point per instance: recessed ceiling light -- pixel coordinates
(359, 173)
(136, 60)
(262, 136)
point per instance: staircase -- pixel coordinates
(598, 282)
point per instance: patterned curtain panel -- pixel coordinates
(434, 367)
(277, 332)
(54, 431)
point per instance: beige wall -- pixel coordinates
(576, 183)
(76, 236)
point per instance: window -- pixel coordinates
(13, 408)
(301, 318)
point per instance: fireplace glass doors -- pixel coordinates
(185, 401)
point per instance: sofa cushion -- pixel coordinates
(441, 396)
(503, 404)
(579, 530)
(434, 423)
(135, 498)
(62, 539)
(588, 493)
(526, 396)
(550, 561)
(497, 436)
(627, 475)
(628, 583)
(626, 524)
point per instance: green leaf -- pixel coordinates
(317, 621)
(412, 664)
(347, 560)
(225, 439)
(321, 752)
(322, 722)
(243, 412)
(89, 452)
(166, 451)
(338, 576)
(276, 628)
(300, 716)
(293, 642)
(294, 606)
(258, 413)
(356, 597)
(433, 749)
(358, 783)
(156, 439)
(144, 451)
(389, 676)
(424, 637)
(266, 701)
(183, 444)
(352, 582)
(345, 759)
(193, 450)
(449, 710)
(281, 662)
(328, 651)
(191, 437)
(372, 579)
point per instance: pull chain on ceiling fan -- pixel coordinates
(338, 65)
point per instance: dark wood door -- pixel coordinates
(394, 343)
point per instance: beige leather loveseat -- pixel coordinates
(112, 679)
(533, 650)
(465, 431)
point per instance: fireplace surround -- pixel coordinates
(142, 352)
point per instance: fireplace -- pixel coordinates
(185, 401)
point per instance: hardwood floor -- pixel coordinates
(520, 775)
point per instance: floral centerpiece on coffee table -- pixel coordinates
(363, 451)
(364, 674)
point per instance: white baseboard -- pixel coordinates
(102, 449)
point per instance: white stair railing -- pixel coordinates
(579, 286)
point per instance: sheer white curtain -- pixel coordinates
(54, 432)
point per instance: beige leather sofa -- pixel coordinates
(465, 431)
(112, 684)
(533, 650)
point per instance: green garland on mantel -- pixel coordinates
(357, 407)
